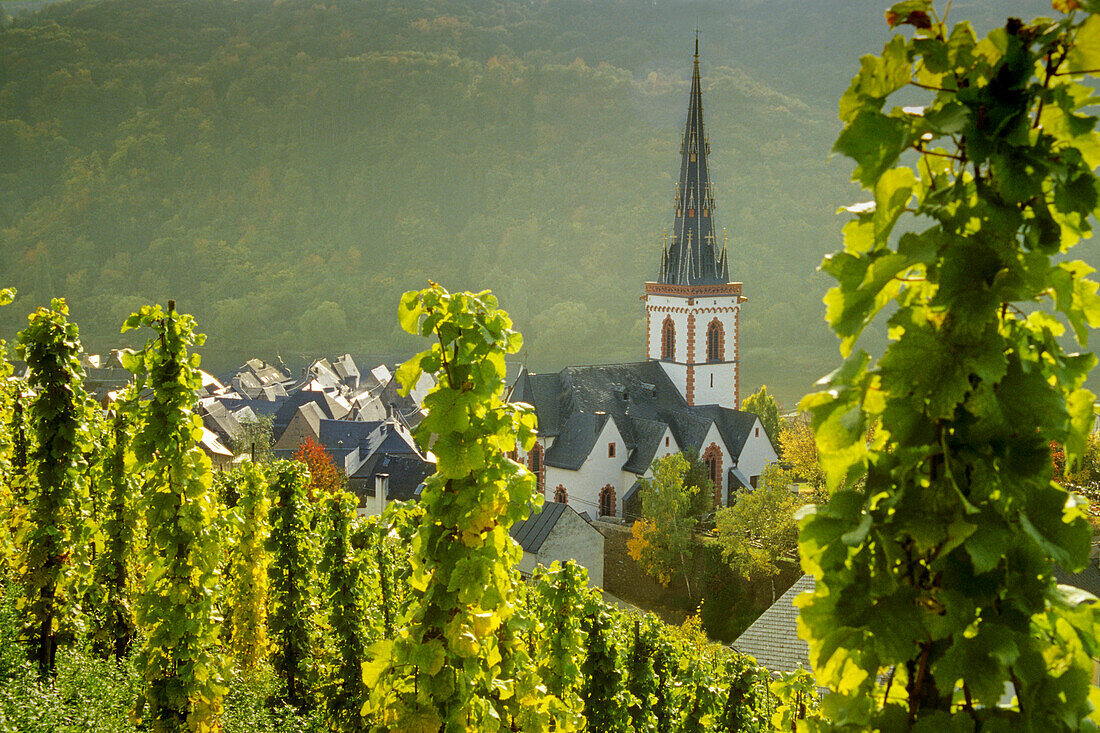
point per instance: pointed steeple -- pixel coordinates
(694, 256)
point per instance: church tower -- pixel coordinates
(693, 310)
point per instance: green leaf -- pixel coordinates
(1084, 54)
(878, 78)
(875, 142)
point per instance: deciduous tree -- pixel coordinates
(660, 541)
(764, 406)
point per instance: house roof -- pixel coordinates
(533, 531)
(638, 396)
(1087, 580)
(735, 474)
(406, 473)
(773, 638)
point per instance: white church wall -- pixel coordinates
(677, 373)
(757, 452)
(583, 486)
(716, 383)
(660, 307)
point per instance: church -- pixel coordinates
(602, 426)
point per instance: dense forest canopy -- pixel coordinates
(285, 170)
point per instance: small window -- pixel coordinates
(712, 379)
(560, 495)
(610, 450)
(754, 480)
(757, 433)
(666, 441)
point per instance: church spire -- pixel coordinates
(694, 256)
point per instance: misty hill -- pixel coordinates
(285, 170)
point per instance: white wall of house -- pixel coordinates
(599, 470)
(571, 539)
(757, 453)
(575, 539)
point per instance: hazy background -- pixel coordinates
(286, 169)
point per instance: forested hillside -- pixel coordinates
(285, 170)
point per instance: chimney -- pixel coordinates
(381, 490)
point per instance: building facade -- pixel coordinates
(602, 426)
(693, 309)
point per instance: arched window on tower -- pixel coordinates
(716, 338)
(668, 339)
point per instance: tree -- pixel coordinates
(660, 540)
(697, 482)
(764, 406)
(759, 530)
(325, 479)
(935, 573)
(799, 452)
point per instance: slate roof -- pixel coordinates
(1087, 580)
(773, 638)
(330, 406)
(406, 473)
(573, 406)
(533, 531)
(217, 417)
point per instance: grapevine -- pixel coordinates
(180, 658)
(51, 347)
(935, 573)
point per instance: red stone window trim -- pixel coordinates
(538, 467)
(610, 450)
(712, 458)
(716, 341)
(561, 496)
(668, 339)
(607, 501)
